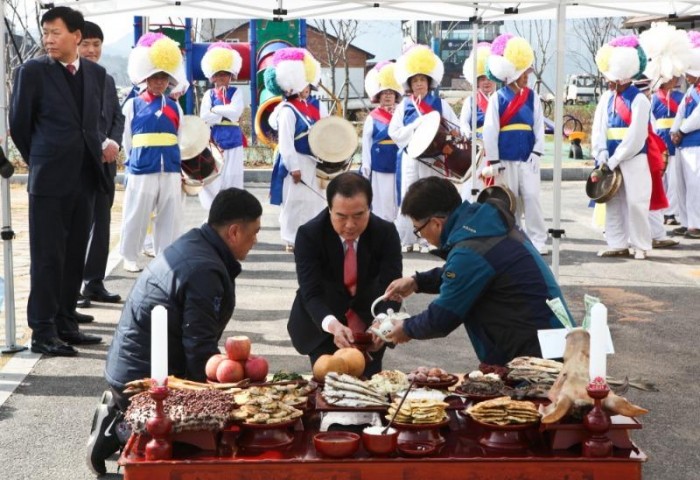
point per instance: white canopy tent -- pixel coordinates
(379, 10)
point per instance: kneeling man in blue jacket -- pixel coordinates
(494, 281)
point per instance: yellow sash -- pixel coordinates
(153, 140)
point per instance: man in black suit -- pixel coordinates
(345, 258)
(54, 118)
(112, 127)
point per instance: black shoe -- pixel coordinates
(54, 347)
(83, 302)
(82, 318)
(80, 338)
(103, 441)
(99, 293)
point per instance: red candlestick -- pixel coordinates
(597, 422)
(160, 447)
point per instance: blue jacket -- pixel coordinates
(615, 121)
(692, 99)
(384, 150)
(494, 282)
(663, 114)
(516, 145)
(194, 279)
(226, 135)
(147, 119)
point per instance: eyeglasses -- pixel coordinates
(416, 231)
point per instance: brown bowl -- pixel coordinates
(416, 449)
(380, 444)
(337, 444)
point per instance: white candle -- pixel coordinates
(597, 330)
(159, 344)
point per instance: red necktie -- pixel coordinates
(71, 68)
(350, 267)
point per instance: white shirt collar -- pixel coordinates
(75, 63)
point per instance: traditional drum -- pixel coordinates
(333, 141)
(499, 192)
(264, 131)
(201, 161)
(603, 184)
(433, 145)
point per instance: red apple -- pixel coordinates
(212, 365)
(256, 368)
(229, 371)
(238, 348)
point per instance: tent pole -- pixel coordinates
(473, 191)
(7, 233)
(556, 231)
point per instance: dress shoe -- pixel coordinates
(614, 252)
(98, 293)
(693, 233)
(53, 347)
(80, 338)
(664, 243)
(83, 302)
(82, 318)
(103, 441)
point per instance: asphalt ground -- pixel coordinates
(653, 317)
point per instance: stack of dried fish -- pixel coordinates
(347, 391)
(264, 410)
(534, 375)
(187, 409)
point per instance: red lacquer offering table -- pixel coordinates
(548, 453)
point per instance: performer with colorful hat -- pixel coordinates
(151, 128)
(685, 134)
(484, 88)
(514, 132)
(668, 51)
(419, 71)
(294, 185)
(221, 109)
(379, 151)
(618, 139)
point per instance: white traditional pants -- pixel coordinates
(627, 213)
(231, 176)
(300, 201)
(145, 194)
(688, 183)
(411, 171)
(671, 186)
(384, 196)
(523, 178)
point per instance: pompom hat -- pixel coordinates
(622, 59)
(510, 57)
(154, 53)
(381, 77)
(694, 64)
(483, 51)
(293, 69)
(419, 59)
(221, 57)
(668, 51)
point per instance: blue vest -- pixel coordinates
(614, 120)
(516, 145)
(663, 115)
(410, 113)
(225, 136)
(147, 159)
(384, 150)
(480, 115)
(301, 145)
(692, 99)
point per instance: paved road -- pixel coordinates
(653, 317)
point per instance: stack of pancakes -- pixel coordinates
(419, 411)
(504, 411)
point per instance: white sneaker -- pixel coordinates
(425, 249)
(640, 255)
(131, 266)
(406, 248)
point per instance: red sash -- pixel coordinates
(514, 106)
(423, 107)
(666, 99)
(167, 110)
(481, 101)
(655, 156)
(381, 115)
(306, 109)
(221, 94)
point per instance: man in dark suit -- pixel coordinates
(112, 127)
(54, 118)
(345, 258)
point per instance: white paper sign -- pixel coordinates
(553, 342)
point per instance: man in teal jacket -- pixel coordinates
(494, 281)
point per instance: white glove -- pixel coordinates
(534, 158)
(602, 158)
(493, 169)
